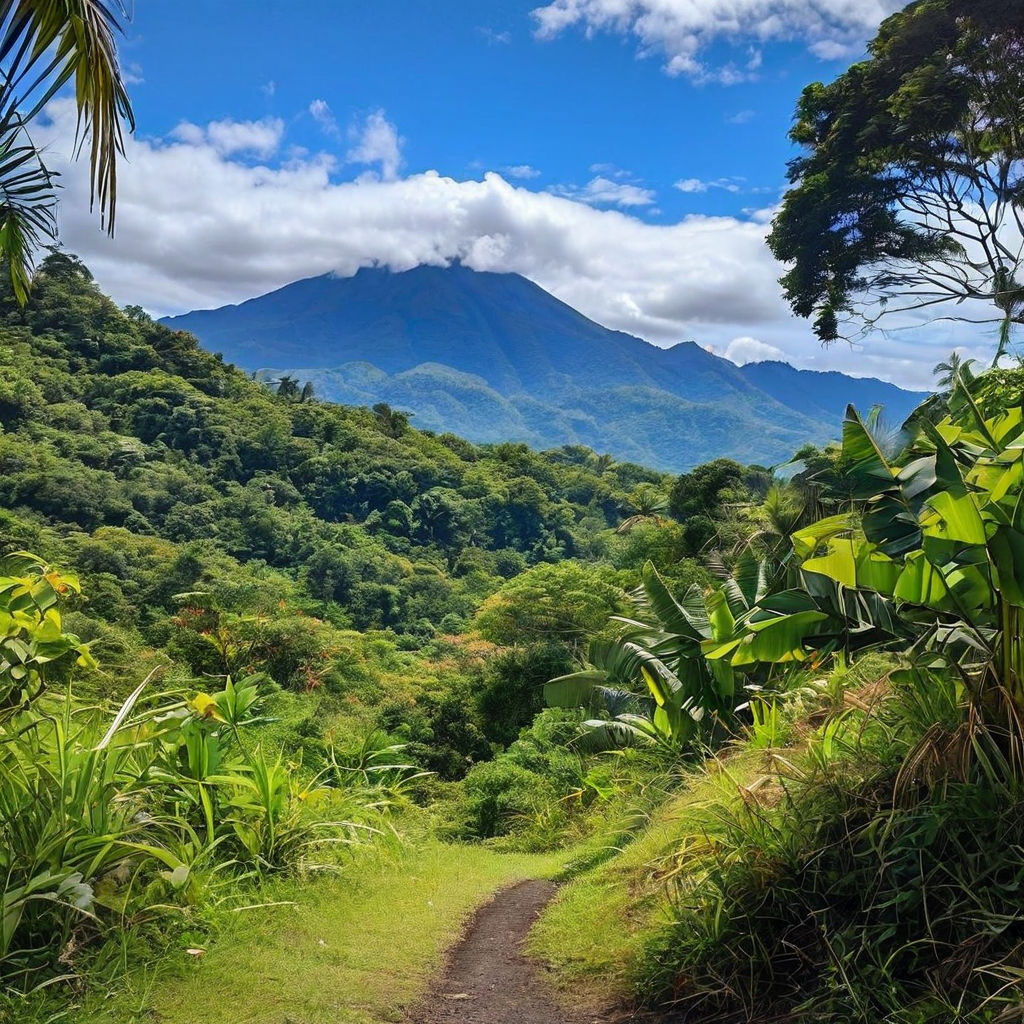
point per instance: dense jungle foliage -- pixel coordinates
(767, 726)
(295, 629)
(284, 617)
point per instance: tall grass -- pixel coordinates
(112, 818)
(850, 887)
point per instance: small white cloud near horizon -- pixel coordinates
(377, 142)
(751, 350)
(601, 191)
(683, 31)
(522, 172)
(229, 138)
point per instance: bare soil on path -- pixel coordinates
(489, 979)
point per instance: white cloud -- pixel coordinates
(750, 350)
(269, 88)
(610, 171)
(683, 30)
(132, 73)
(601, 191)
(198, 228)
(692, 185)
(740, 117)
(377, 142)
(522, 171)
(228, 138)
(320, 111)
(495, 38)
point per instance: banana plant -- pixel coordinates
(937, 531)
(652, 680)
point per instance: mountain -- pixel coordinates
(494, 357)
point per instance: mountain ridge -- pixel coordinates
(495, 357)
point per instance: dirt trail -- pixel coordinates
(488, 979)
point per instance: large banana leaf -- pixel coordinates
(597, 735)
(867, 464)
(683, 619)
(588, 689)
(808, 540)
(1007, 550)
(922, 583)
(854, 562)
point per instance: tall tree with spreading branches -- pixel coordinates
(909, 192)
(44, 46)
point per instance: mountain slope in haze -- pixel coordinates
(820, 393)
(494, 357)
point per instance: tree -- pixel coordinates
(564, 602)
(44, 45)
(391, 422)
(948, 370)
(910, 190)
(646, 502)
(703, 490)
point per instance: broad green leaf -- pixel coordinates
(780, 640)
(921, 583)
(807, 541)
(720, 616)
(573, 691)
(675, 617)
(955, 518)
(1006, 547)
(840, 564)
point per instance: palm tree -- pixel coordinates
(949, 369)
(44, 45)
(288, 388)
(645, 503)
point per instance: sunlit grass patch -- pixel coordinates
(595, 929)
(355, 949)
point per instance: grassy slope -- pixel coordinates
(353, 950)
(594, 931)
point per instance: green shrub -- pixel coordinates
(503, 797)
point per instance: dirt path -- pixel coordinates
(488, 979)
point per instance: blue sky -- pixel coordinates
(471, 88)
(624, 154)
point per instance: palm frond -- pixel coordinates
(44, 45)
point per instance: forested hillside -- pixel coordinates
(370, 587)
(220, 526)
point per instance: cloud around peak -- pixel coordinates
(201, 225)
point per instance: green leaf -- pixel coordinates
(1006, 547)
(674, 617)
(921, 583)
(807, 541)
(955, 518)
